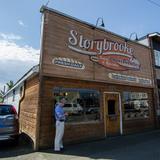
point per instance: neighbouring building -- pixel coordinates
(152, 40)
(108, 83)
(14, 95)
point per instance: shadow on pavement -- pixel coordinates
(130, 147)
(12, 149)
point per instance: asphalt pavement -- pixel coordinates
(142, 146)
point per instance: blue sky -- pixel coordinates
(20, 26)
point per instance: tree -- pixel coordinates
(1, 96)
(10, 84)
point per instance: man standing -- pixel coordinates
(60, 117)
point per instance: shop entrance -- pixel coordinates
(113, 114)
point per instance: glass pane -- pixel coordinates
(111, 107)
(74, 105)
(136, 105)
(82, 104)
(4, 110)
(157, 57)
(67, 105)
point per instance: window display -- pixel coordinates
(82, 104)
(136, 105)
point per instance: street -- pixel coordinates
(131, 147)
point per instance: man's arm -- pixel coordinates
(59, 113)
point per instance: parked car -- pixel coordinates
(9, 128)
(73, 108)
(92, 110)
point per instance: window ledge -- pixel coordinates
(88, 122)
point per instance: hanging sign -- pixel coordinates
(113, 55)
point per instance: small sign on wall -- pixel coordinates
(68, 63)
(132, 79)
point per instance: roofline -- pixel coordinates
(43, 8)
(150, 35)
(34, 69)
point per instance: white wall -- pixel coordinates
(144, 42)
(8, 99)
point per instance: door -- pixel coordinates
(112, 113)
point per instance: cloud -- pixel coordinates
(12, 51)
(15, 61)
(20, 22)
(10, 37)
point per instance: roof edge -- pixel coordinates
(150, 35)
(45, 8)
(34, 69)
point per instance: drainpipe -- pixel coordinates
(21, 99)
(44, 22)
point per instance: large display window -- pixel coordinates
(136, 105)
(82, 104)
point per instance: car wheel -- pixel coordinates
(16, 140)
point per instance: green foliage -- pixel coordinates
(1, 99)
(1, 96)
(10, 84)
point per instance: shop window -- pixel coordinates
(157, 57)
(111, 107)
(136, 105)
(82, 104)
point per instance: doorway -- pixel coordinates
(112, 114)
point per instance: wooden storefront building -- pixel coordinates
(107, 80)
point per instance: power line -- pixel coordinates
(47, 3)
(157, 4)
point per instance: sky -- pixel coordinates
(21, 21)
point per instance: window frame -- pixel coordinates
(66, 89)
(134, 109)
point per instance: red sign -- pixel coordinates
(116, 62)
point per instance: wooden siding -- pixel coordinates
(56, 31)
(55, 44)
(85, 131)
(29, 108)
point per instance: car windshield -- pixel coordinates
(5, 109)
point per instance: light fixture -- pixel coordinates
(102, 23)
(134, 33)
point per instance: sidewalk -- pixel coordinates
(132, 147)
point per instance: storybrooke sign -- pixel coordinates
(112, 55)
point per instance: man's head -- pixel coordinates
(62, 100)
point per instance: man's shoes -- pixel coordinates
(62, 149)
(57, 152)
